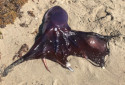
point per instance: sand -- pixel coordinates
(101, 16)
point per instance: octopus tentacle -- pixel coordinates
(8, 69)
(45, 64)
(61, 48)
(95, 46)
(73, 38)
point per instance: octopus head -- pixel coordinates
(57, 16)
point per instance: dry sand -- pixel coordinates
(101, 16)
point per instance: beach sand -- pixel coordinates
(105, 17)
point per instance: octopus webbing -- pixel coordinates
(58, 41)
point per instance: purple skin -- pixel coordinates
(58, 41)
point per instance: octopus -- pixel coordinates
(58, 41)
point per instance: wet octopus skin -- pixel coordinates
(58, 41)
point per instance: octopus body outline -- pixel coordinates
(57, 41)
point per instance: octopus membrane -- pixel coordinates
(57, 41)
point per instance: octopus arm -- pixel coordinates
(90, 45)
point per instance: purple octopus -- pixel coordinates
(58, 41)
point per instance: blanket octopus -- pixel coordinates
(58, 41)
